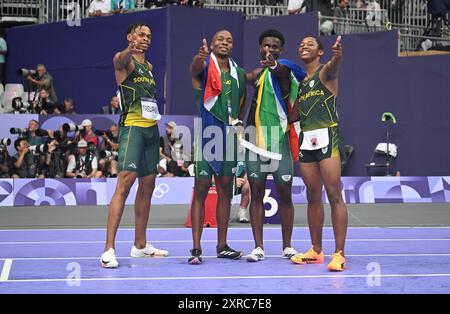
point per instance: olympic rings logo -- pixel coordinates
(160, 190)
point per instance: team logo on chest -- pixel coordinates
(312, 83)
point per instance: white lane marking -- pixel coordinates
(233, 228)
(213, 256)
(213, 241)
(6, 270)
(226, 277)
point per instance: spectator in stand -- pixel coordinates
(341, 15)
(99, 8)
(113, 107)
(296, 7)
(121, 6)
(69, 106)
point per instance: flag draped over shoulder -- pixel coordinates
(214, 106)
(271, 113)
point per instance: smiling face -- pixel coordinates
(222, 43)
(273, 44)
(310, 49)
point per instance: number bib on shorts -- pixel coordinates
(150, 109)
(315, 139)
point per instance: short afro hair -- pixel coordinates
(136, 25)
(271, 33)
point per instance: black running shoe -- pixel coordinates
(196, 257)
(227, 252)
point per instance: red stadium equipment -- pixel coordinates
(210, 209)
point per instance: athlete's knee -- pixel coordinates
(257, 191)
(285, 194)
(201, 190)
(314, 196)
(335, 197)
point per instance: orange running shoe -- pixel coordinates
(310, 257)
(337, 262)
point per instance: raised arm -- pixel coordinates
(330, 72)
(123, 58)
(279, 70)
(199, 62)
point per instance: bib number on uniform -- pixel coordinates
(150, 109)
(315, 139)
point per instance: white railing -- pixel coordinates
(250, 8)
(410, 17)
(24, 11)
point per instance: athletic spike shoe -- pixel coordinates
(337, 262)
(148, 251)
(256, 255)
(288, 252)
(108, 259)
(310, 257)
(227, 252)
(196, 257)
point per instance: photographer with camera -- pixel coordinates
(109, 151)
(40, 79)
(44, 105)
(24, 165)
(83, 164)
(30, 134)
(87, 133)
(60, 148)
(4, 157)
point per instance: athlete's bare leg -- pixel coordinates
(201, 188)
(142, 209)
(330, 170)
(311, 177)
(224, 196)
(125, 181)
(257, 190)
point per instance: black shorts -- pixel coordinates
(317, 155)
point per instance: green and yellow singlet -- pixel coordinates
(139, 83)
(317, 105)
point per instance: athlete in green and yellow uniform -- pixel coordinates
(138, 142)
(317, 109)
(320, 162)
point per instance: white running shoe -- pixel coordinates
(243, 215)
(148, 251)
(108, 259)
(256, 255)
(288, 252)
